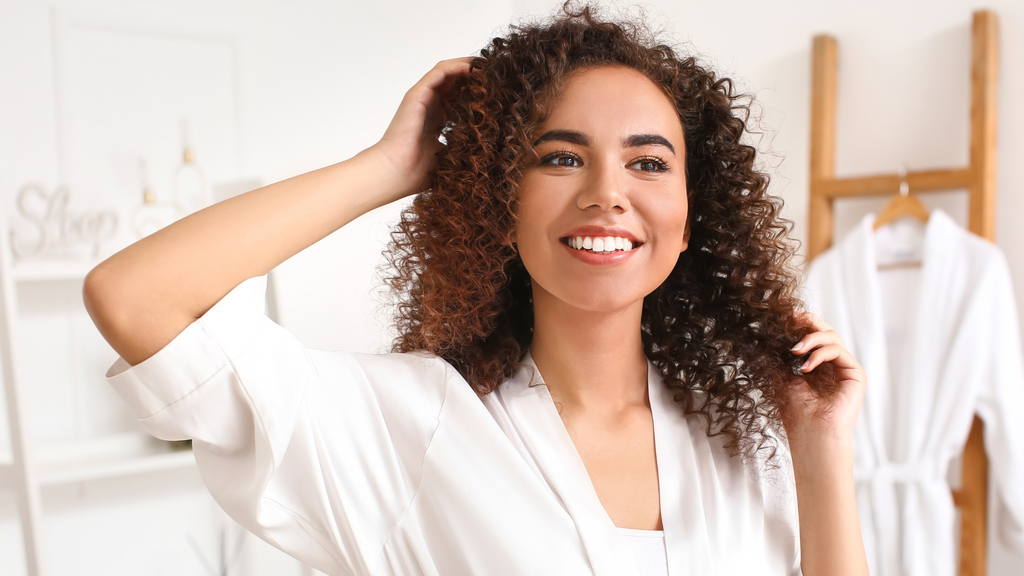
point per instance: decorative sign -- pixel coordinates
(56, 231)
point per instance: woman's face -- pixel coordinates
(611, 166)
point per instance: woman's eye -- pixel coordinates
(650, 165)
(563, 160)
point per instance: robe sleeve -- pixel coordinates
(1001, 404)
(318, 453)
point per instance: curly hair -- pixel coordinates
(719, 328)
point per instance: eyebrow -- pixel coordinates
(638, 140)
(569, 136)
(573, 137)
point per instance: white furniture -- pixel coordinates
(30, 468)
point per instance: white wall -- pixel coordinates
(298, 84)
(318, 81)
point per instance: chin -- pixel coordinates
(607, 295)
(603, 304)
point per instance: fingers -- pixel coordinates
(427, 94)
(837, 354)
(454, 66)
(824, 345)
(816, 340)
(444, 71)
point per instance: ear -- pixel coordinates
(686, 237)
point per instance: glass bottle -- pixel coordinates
(151, 215)
(191, 191)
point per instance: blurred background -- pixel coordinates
(111, 111)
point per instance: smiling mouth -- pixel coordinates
(600, 244)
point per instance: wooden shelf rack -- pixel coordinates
(979, 178)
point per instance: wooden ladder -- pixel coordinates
(979, 178)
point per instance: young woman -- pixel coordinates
(595, 369)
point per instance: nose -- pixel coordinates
(604, 188)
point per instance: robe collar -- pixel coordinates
(859, 271)
(529, 404)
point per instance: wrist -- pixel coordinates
(817, 439)
(377, 176)
(393, 178)
(822, 456)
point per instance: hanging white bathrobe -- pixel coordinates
(391, 464)
(939, 343)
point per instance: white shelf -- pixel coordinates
(96, 459)
(81, 471)
(48, 270)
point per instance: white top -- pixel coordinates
(939, 343)
(648, 549)
(391, 464)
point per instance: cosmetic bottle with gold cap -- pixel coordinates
(151, 215)
(191, 191)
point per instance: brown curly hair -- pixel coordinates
(720, 326)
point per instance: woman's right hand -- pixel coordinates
(146, 294)
(406, 151)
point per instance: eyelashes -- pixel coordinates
(569, 159)
(658, 164)
(556, 159)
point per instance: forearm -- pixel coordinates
(146, 294)
(830, 537)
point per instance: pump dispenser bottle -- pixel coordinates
(191, 192)
(151, 215)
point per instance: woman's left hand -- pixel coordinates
(820, 434)
(815, 419)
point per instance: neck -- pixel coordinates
(591, 361)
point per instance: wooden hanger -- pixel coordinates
(902, 204)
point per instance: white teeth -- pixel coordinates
(604, 244)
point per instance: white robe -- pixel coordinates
(939, 343)
(391, 464)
